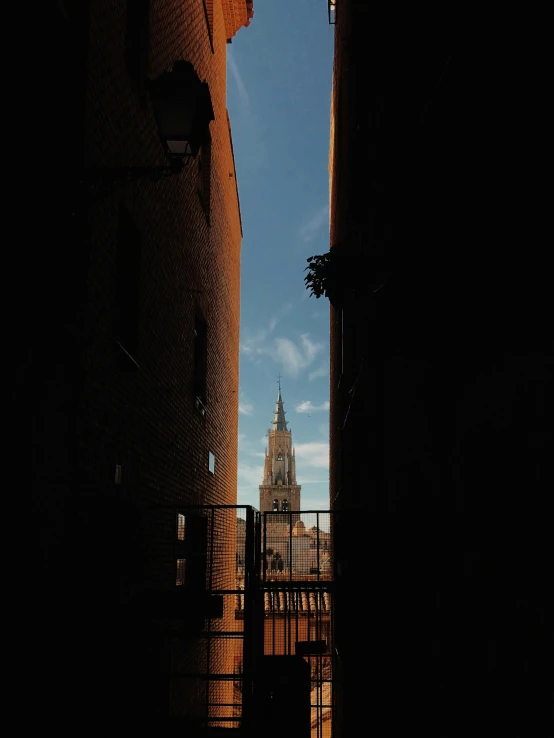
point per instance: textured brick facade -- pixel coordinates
(188, 266)
(111, 377)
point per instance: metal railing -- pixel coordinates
(236, 588)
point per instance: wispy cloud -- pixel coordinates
(311, 228)
(308, 407)
(254, 347)
(245, 406)
(293, 356)
(250, 468)
(296, 356)
(241, 89)
(314, 453)
(245, 116)
(321, 371)
(249, 447)
(249, 476)
(254, 344)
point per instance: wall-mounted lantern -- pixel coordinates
(183, 110)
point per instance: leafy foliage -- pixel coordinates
(333, 275)
(325, 276)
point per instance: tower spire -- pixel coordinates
(279, 490)
(279, 422)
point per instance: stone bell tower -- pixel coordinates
(279, 491)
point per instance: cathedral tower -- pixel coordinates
(279, 491)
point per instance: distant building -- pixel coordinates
(279, 491)
(296, 587)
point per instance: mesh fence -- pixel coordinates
(240, 586)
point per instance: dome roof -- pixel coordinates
(299, 529)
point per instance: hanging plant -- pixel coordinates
(332, 275)
(326, 275)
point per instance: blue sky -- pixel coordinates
(279, 75)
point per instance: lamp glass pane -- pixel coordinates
(179, 148)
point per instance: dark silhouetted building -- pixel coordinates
(441, 378)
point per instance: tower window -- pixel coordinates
(275, 505)
(285, 506)
(279, 457)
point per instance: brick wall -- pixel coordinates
(186, 266)
(91, 408)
